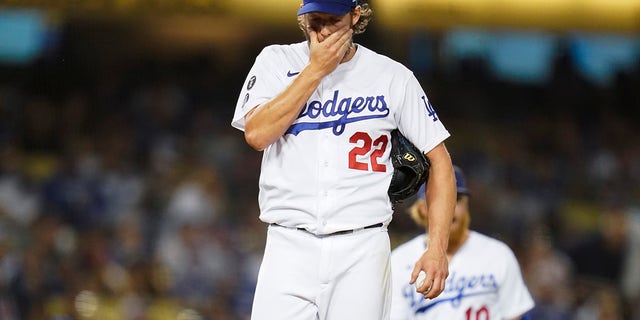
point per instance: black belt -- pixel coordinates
(377, 225)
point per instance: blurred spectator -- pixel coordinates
(19, 199)
(630, 280)
(548, 273)
(603, 302)
(610, 255)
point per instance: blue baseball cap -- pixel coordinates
(461, 183)
(337, 7)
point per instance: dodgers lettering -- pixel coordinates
(341, 113)
(457, 288)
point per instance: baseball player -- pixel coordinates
(484, 280)
(322, 111)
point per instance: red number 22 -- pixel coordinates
(376, 148)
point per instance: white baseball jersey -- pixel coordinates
(331, 170)
(484, 283)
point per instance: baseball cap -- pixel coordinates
(337, 7)
(461, 183)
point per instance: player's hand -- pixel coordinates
(325, 56)
(435, 264)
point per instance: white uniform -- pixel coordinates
(484, 282)
(331, 170)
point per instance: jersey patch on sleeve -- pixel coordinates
(431, 112)
(246, 98)
(252, 81)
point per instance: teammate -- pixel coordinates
(485, 281)
(322, 111)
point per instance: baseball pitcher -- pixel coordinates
(322, 111)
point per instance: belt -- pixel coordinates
(377, 225)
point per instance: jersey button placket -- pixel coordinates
(323, 168)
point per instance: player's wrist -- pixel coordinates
(312, 73)
(437, 243)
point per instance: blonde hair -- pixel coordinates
(366, 14)
(420, 218)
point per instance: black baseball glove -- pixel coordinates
(410, 168)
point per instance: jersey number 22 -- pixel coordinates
(376, 147)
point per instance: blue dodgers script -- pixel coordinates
(456, 290)
(349, 109)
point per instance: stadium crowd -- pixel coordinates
(127, 194)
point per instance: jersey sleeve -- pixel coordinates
(418, 120)
(515, 299)
(263, 82)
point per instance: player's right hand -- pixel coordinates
(325, 55)
(435, 264)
